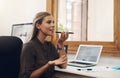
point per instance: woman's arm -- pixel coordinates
(61, 54)
(36, 73)
(60, 46)
(61, 61)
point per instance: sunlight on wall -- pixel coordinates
(18, 11)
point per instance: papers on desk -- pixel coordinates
(105, 68)
(88, 69)
(102, 68)
(97, 71)
(77, 70)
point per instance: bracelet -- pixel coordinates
(61, 48)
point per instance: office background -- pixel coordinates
(18, 11)
(23, 11)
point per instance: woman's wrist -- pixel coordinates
(60, 45)
(60, 48)
(50, 63)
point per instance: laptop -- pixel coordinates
(86, 56)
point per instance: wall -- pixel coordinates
(18, 11)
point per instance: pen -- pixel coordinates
(89, 69)
(85, 69)
(68, 32)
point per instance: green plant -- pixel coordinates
(62, 28)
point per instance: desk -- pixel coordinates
(104, 62)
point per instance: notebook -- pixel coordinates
(86, 56)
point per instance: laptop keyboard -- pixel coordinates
(79, 63)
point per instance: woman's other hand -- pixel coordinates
(59, 61)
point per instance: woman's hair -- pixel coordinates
(38, 20)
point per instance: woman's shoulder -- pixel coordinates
(29, 44)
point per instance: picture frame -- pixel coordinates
(22, 31)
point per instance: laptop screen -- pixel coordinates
(88, 53)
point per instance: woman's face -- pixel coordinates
(47, 26)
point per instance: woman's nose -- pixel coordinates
(52, 24)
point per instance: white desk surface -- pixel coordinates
(102, 70)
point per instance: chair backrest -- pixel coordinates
(10, 50)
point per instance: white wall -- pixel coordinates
(18, 11)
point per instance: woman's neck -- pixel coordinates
(41, 37)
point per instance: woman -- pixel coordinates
(39, 56)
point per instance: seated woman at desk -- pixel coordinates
(40, 56)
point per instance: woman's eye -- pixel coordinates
(50, 21)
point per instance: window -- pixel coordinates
(110, 48)
(73, 18)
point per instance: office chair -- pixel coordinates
(10, 50)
